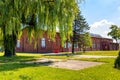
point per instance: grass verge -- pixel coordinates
(101, 53)
(10, 69)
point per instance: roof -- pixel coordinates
(95, 35)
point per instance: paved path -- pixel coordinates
(93, 56)
(80, 56)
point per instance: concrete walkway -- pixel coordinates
(80, 56)
(93, 56)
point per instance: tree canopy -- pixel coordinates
(115, 32)
(80, 26)
(36, 16)
(85, 41)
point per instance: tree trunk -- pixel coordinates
(72, 48)
(73, 42)
(84, 49)
(9, 45)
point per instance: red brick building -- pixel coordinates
(45, 45)
(101, 43)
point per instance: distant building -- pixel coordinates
(101, 43)
(46, 45)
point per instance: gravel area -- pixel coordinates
(74, 64)
(67, 64)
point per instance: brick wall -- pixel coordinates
(55, 46)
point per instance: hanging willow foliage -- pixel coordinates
(37, 16)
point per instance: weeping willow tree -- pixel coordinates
(35, 16)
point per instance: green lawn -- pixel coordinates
(102, 53)
(11, 69)
(98, 53)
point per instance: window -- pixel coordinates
(65, 45)
(75, 45)
(111, 46)
(69, 45)
(43, 42)
(98, 45)
(94, 46)
(18, 43)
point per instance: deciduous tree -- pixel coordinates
(35, 16)
(115, 32)
(85, 41)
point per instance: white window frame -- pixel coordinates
(18, 44)
(65, 45)
(43, 43)
(69, 44)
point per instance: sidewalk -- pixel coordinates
(79, 56)
(93, 56)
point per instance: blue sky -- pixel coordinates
(100, 14)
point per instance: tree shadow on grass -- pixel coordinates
(16, 62)
(16, 59)
(59, 54)
(18, 65)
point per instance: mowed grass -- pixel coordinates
(68, 55)
(13, 69)
(37, 72)
(101, 53)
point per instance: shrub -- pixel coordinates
(117, 61)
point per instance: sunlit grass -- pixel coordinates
(17, 71)
(106, 60)
(102, 53)
(11, 68)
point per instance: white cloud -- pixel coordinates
(105, 34)
(101, 23)
(101, 28)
